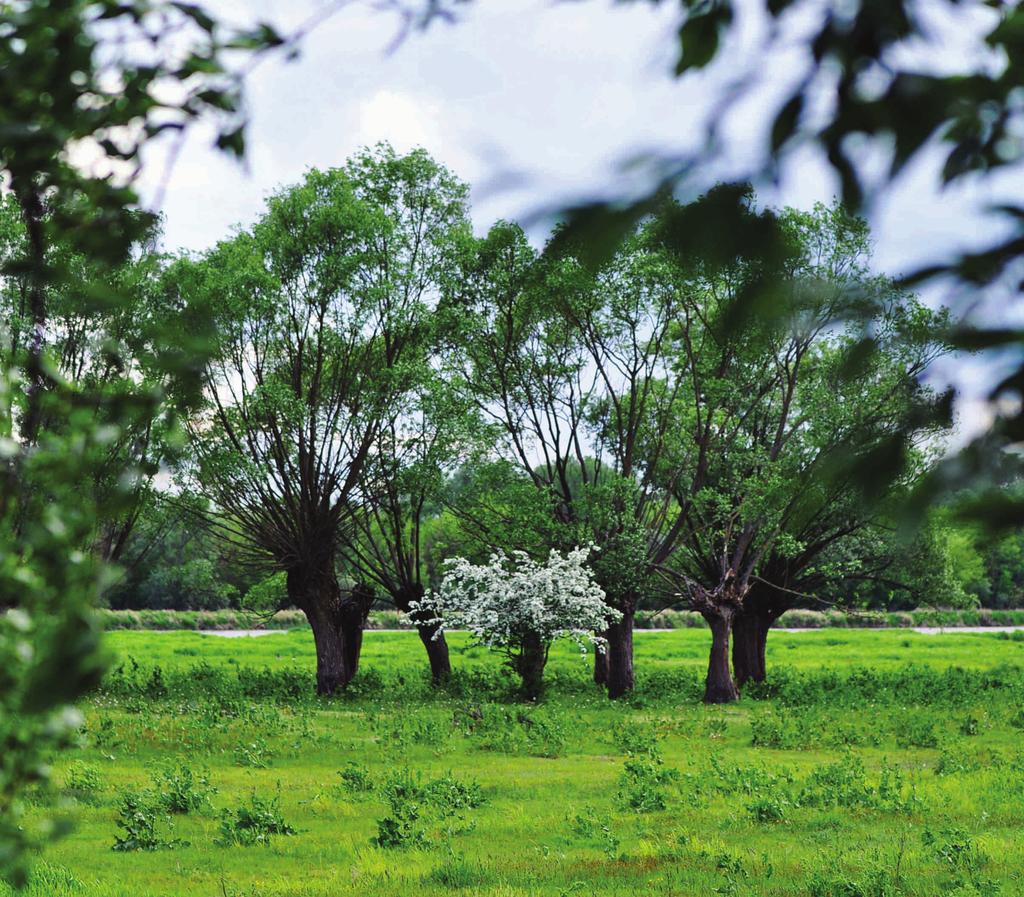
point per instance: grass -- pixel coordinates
(876, 763)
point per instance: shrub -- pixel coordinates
(180, 790)
(139, 818)
(82, 782)
(412, 806)
(768, 809)
(254, 823)
(636, 738)
(355, 778)
(256, 754)
(643, 783)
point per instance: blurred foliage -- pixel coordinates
(84, 85)
(874, 87)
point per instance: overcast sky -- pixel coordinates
(530, 102)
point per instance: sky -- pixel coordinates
(533, 104)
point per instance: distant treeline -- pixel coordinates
(222, 620)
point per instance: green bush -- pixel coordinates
(254, 823)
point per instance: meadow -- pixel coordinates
(872, 763)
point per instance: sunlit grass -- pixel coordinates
(527, 838)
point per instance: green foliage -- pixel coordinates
(70, 81)
(256, 822)
(355, 778)
(181, 790)
(416, 809)
(83, 782)
(140, 820)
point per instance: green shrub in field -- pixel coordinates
(877, 883)
(722, 778)
(958, 854)
(401, 730)
(414, 807)
(588, 824)
(769, 809)
(180, 790)
(535, 731)
(140, 818)
(401, 827)
(917, 730)
(254, 823)
(355, 778)
(255, 755)
(637, 739)
(840, 784)
(82, 782)
(643, 784)
(449, 795)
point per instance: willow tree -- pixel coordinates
(423, 436)
(572, 370)
(320, 310)
(773, 418)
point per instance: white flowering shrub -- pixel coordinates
(520, 606)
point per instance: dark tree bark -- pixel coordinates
(437, 653)
(433, 641)
(530, 663)
(601, 663)
(762, 606)
(620, 678)
(749, 640)
(719, 687)
(337, 621)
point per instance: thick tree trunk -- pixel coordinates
(355, 608)
(433, 641)
(437, 653)
(530, 662)
(719, 687)
(337, 622)
(620, 678)
(331, 656)
(762, 606)
(601, 663)
(749, 641)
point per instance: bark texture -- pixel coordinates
(529, 663)
(620, 678)
(719, 687)
(337, 621)
(762, 606)
(433, 641)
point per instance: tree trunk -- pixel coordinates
(749, 640)
(719, 687)
(437, 653)
(530, 662)
(332, 670)
(337, 622)
(601, 663)
(433, 641)
(620, 676)
(354, 610)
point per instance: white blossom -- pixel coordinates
(514, 596)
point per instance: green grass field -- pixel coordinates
(873, 763)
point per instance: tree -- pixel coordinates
(422, 437)
(774, 420)
(521, 606)
(572, 371)
(899, 99)
(74, 80)
(320, 310)
(99, 334)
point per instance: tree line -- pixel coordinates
(383, 390)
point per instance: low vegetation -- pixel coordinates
(399, 786)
